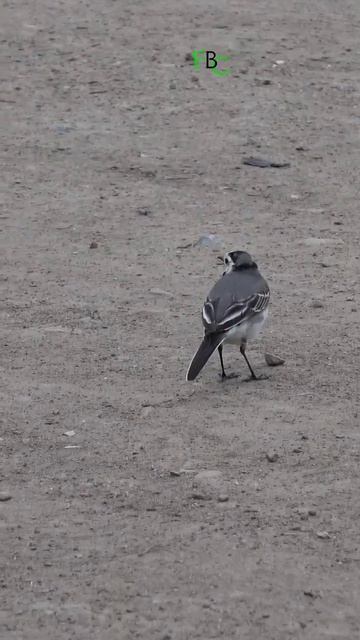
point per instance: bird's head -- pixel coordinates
(236, 261)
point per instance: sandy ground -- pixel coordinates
(110, 533)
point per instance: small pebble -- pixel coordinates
(93, 244)
(272, 456)
(223, 497)
(199, 496)
(304, 512)
(324, 535)
(4, 497)
(316, 304)
(264, 163)
(210, 240)
(145, 411)
(144, 211)
(161, 292)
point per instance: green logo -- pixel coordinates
(211, 62)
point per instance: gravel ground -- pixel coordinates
(134, 504)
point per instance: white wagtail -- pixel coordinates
(234, 311)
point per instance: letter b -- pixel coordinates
(211, 59)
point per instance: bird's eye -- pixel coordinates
(226, 260)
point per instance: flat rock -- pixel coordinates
(264, 163)
(316, 242)
(272, 360)
(209, 484)
(208, 476)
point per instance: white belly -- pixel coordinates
(247, 330)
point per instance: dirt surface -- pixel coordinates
(111, 139)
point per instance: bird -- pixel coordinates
(234, 312)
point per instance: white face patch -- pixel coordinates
(228, 263)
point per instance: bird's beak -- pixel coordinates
(220, 260)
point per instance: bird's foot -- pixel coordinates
(261, 376)
(227, 376)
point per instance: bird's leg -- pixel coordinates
(253, 376)
(220, 349)
(223, 374)
(242, 351)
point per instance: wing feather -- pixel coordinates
(235, 313)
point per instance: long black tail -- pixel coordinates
(207, 347)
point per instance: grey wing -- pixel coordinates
(234, 313)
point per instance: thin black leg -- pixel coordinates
(242, 351)
(220, 349)
(224, 376)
